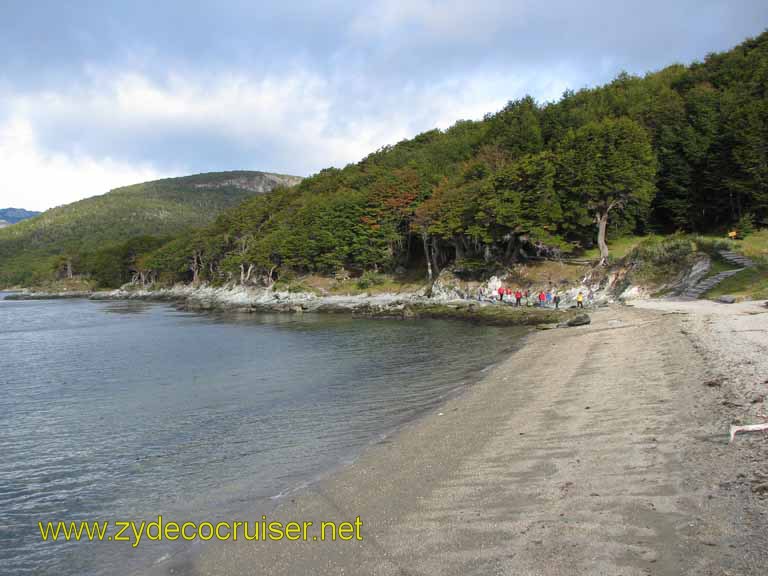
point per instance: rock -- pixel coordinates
(580, 320)
(726, 299)
(760, 488)
(447, 287)
(546, 326)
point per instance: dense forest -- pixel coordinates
(99, 237)
(681, 149)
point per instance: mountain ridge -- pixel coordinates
(9, 216)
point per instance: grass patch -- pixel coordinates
(294, 285)
(76, 284)
(755, 245)
(620, 247)
(372, 284)
(750, 283)
(753, 282)
(718, 265)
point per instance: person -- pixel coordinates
(518, 297)
(508, 294)
(549, 297)
(480, 294)
(542, 298)
(557, 301)
(501, 293)
(580, 300)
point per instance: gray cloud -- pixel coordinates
(175, 86)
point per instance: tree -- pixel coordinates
(524, 202)
(610, 166)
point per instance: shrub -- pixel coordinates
(370, 278)
(746, 225)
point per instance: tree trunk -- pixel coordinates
(435, 261)
(602, 226)
(459, 249)
(425, 242)
(508, 251)
(195, 268)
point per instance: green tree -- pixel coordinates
(611, 167)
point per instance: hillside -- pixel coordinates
(680, 149)
(30, 249)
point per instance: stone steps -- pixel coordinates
(736, 258)
(708, 283)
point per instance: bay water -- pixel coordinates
(130, 410)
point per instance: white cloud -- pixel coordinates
(117, 129)
(36, 180)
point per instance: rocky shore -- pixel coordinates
(408, 305)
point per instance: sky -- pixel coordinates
(96, 94)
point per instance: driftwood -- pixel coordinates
(748, 428)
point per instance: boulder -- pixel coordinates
(726, 299)
(580, 320)
(447, 287)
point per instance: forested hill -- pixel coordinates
(684, 148)
(34, 250)
(10, 216)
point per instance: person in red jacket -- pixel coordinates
(501, 293)
(542, 298)
(518, 298)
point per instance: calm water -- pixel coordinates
(129, 410)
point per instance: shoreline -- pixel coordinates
(404, 306)
(578, 452)
(183, 561)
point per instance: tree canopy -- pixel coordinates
(684, 148)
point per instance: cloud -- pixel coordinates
(60, 145)
(37, 180)
(141, 89)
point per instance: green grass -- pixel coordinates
(755, 245)
(718, 265)
(619, 247)
(753, 282)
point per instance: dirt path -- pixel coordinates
(593, 450)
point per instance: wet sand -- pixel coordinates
(591, 450)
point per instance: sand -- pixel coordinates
(601, 449)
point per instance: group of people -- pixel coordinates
(518, 297)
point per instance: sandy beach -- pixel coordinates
(601, 449)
